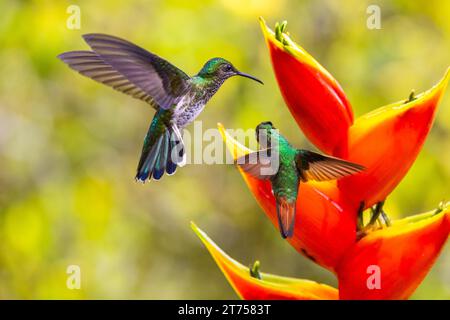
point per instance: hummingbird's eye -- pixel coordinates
(228, 68)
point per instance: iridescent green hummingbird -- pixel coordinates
(286, 167)
(177, 98)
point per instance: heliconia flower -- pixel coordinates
(390, 263)
(386, 264)
(325, 227)
(268, 287)
(314, 97)
(386, 141)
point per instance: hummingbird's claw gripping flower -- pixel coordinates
(390, 263)
(269, 287)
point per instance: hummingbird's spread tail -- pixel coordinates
(162, 151)
(286, 216)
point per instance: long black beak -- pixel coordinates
(242, 74)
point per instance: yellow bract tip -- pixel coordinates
(270, 285)
(236, 149)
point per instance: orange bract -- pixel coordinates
(270, 287)
(386, 141)
(314, 97)
(402, 255)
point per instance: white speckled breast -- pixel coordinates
(193, 103)
(188, 109)
(187, 113)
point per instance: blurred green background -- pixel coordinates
(69, 146)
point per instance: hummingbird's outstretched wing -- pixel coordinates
(258, 164)
(91, 65)
(315, 166)
(161, 80)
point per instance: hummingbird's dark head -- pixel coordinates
(264, 132)
(219, 68)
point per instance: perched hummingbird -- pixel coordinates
(292, 167)
(177, 98)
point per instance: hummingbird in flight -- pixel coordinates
(286, 167)
(177, 98)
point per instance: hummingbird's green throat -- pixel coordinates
(177, 98)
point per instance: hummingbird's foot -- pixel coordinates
(254, 270)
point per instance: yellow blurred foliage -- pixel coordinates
(69, 146)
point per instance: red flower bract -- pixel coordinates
(386, 141)
(269, 287)
(402, 255)
(314, 97)
(399, 256)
